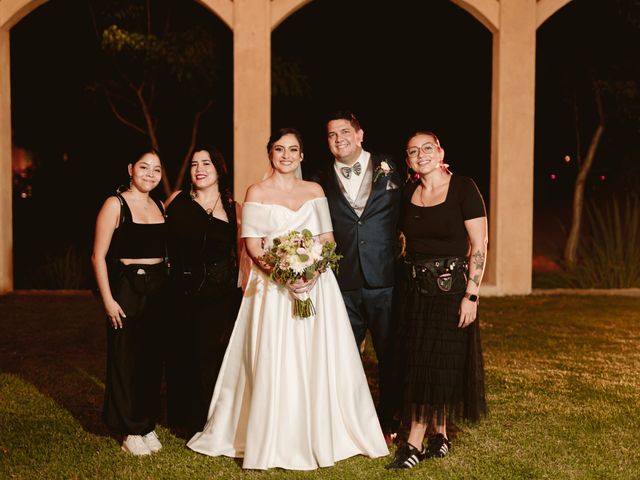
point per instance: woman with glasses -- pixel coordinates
(439, 357)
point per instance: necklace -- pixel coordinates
(212, 209)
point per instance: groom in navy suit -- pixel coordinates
(363, 190)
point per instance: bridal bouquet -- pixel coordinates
(297, 255)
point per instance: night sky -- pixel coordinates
(427, 65)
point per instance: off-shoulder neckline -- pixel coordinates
(284, 206)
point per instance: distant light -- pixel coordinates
(567, 158)
(553, 176)
(603, 178)
(23, 195)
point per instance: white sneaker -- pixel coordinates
(152, 442)
(134, 445)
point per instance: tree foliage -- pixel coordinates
(162, 71)
(157, 67)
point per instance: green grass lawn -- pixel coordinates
(563, 386)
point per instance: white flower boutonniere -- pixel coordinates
(383, 170)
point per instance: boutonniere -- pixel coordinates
(383, 170)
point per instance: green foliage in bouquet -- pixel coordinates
(298, 255)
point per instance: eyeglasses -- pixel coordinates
(427, 149)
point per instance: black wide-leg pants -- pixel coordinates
(134, 357)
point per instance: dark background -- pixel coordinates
(423, 65)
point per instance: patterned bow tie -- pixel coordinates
(346, 171)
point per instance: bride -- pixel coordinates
(291, 392)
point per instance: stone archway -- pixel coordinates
(513, 24)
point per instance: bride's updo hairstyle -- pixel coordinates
(281, 132)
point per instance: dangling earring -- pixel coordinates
(130, 182)
(192, 192)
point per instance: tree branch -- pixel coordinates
(194, 135)
(121, 117)
(571, 247)
(576, 119)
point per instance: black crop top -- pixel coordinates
(138, 240)
(439, 230)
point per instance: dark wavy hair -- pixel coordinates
(224, 181)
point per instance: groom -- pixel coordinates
(363, 191)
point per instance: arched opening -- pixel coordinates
(76, 149)
(399, 73)
(582, 55)
(513, 26)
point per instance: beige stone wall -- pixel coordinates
(512, 128)
(6, 230)
(252, 92)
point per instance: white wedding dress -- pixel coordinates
(291, 392)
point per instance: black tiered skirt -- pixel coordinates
(440, 366)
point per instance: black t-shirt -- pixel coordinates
(439, 230)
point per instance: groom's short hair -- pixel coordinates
(345, 115)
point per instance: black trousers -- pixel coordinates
(134, 358)
(371, 308)
(196, 345)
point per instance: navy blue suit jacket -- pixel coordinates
(367, 242)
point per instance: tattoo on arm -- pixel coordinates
(478, 262)
(478, 259)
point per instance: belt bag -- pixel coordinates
(439, 276)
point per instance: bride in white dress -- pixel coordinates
(291, 392)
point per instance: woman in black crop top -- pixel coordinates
(203, 249)
(438, 354)
(129, 262)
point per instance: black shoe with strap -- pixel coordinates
(407, 456)
(438, 446)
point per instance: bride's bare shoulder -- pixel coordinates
(313, 189)
(255, 193)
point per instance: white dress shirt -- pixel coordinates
(352, 184)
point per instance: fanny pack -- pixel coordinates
(437, 276)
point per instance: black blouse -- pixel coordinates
(195, 237)
(439, 230)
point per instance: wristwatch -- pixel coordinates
(471, 297)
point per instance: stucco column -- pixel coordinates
(6, 219)
(513, 102)
(252, 91)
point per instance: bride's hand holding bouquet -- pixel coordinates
(296, 260)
